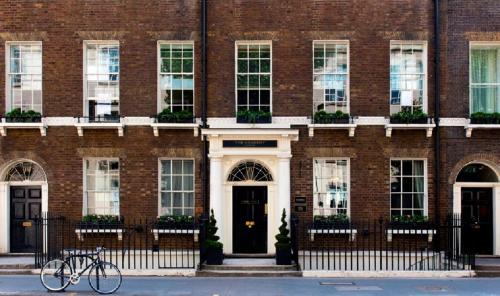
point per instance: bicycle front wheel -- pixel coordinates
(55, 275)
(105, 278)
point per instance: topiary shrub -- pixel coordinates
(283, 243)
(213, 246)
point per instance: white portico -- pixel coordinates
(268, 147)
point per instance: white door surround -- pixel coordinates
(224, 159)
(5, 201)
(457, 202)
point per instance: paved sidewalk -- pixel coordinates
(168, 286)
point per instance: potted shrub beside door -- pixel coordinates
(283, 244)
(212, 244)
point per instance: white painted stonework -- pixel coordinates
(223, 160)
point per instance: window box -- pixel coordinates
(94, 224)
(34, 119)
(99, 122)
(18, 124)
(429, 232)
(417, 225)
(174, 120)
(333, 224)
(257, 117)
(481, 120)
(350, 231)
(428, 125)
(338, 120)
(157, 231)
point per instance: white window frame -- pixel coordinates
(8, 44)
(160, 175)
(426, 186)
(473, 45)
(425, 58)
(159, 61)
(253, 42)
(84, 204)
(348, 79)
(348, 160)
(85, 95)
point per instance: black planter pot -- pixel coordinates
(23, 119)
(332, 225)
(175, 120)
(214, 257)
(418, 121)
(284, 257)
(332, 121)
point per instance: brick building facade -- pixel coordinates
(349, 54)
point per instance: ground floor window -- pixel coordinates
(331, 186)
(102, 187)
(408, 187)
(176, 187)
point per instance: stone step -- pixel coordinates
(247, 273)
(488, 273)
(17, 266)
(239, 256)
(228, 267)
(488, 267)
(15, 271)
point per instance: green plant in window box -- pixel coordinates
(340, 221)
(485, 118)
(17, 115)
(323, 117)
(408, 117)
(175, 222)
(167, 116)
(100, 222)
(253, 116)
(410, 222)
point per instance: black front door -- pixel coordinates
(477, 218)
(25, 205)
(249, 219)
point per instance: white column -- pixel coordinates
(284, 187)
(496, 220)
(4, 218)
(216, 194)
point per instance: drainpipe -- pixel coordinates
(437, 107)
(204, 164)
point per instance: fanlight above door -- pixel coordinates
(25, 171)
(250, 171)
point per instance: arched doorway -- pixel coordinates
(23, 195)
(250, 207)
(476, 190)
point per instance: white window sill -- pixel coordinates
(80, 232)
(352, 232)
(351, 127)
(80, 126)
(469, 127)
(429, 232)
(428, 127)
(4, 126)
(157, 232)
(157, 126)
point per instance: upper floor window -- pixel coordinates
(176, 76)
(102, 187)
(24, 76)
(331, 186)
(485, 78)
(408, 76)
(408, 187)
(331, 76)
(253, 76)
(176, 187)
(102, 80)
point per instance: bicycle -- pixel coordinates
(104, 277)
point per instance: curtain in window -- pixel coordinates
(484, 74)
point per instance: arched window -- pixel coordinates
(477, 172)
(25, 171)
(250, 171)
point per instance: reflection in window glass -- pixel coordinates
(331, 186)
(102, 186)
(485, 79)
(25, 76)
(407, 187)
(408, 77)
(177, 187)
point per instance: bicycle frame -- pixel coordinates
(71, 260)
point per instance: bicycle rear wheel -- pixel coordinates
(105, 278)
(55, 275)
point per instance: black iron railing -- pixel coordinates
(99, 119)
(133, 244)
(380, 245)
